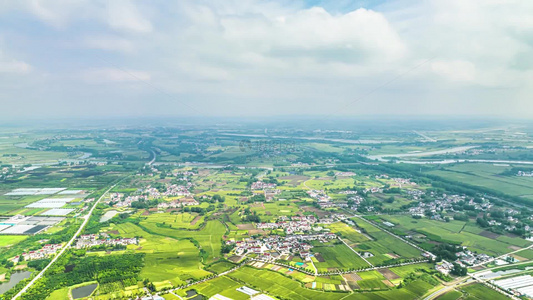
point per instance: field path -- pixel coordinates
(355, 252)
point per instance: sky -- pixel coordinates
(248, 58)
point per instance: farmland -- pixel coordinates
(286, 221)
(466, 233)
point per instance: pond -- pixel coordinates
(83, 291)
(13, 280)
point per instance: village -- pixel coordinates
(102, 239)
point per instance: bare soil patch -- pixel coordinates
(393, 256)
(488, 234)
(195, 220)
(387, 273)
(260, 205)
(352, 277)
(514, 247)
(257, 231)
(319, 257)
(235, 258)
(320, 213)
(145, 213)
(520, 258)
(294, 180)
(388, 283)
(248, 226)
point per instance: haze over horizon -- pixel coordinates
(265, 58)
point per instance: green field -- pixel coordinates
(167, 260)
(347, 232)
(477, 291)
(178, 221)
(459, 231)
(338, 256)
(8, 240)
(384, 246)
(488, 175)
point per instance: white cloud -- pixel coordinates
(278, 56)
(113, 75)
(111, 43)
(124, 15)
(456, 70)
(14, 66)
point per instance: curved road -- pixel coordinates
(85, 221)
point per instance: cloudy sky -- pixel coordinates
(259, 58)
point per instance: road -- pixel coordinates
(153, 159)
(85, 221)
(470, 278)
(425, 136)
(355, 252)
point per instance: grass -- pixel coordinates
(208, 238)
(488, 175)
(181, 220)
(453, 295)
(221, 266)
(478, 291)
(383, 244)
(224, 286)
(347, 232)
(453, 231)
(167, 260)
(338, 256)
(278, 285)
(8, 240)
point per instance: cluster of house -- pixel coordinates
(269, 189)
(469, 258)
(259, 185)
(185, 201)
(272, 247)
(415, 194)
(46, 251)
(525, 174)
(373, 190)
(93, 240)
(445, 202)
(172, 190)
(5, 170)
(119, 200)
(185, 175)
(357, 200)
(295, 224)
(404, 181)
(465, 258)
(344, 174)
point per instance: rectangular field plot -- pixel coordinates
(71, 192)
(23, 229)
(457, 231)
(337, 256)
(34, 191)
(58, 212)
(50, 203)
(27, 225)
(385, 248)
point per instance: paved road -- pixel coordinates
(153, 159)
(85, 221)
(471, 277)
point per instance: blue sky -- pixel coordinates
(259, 58)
